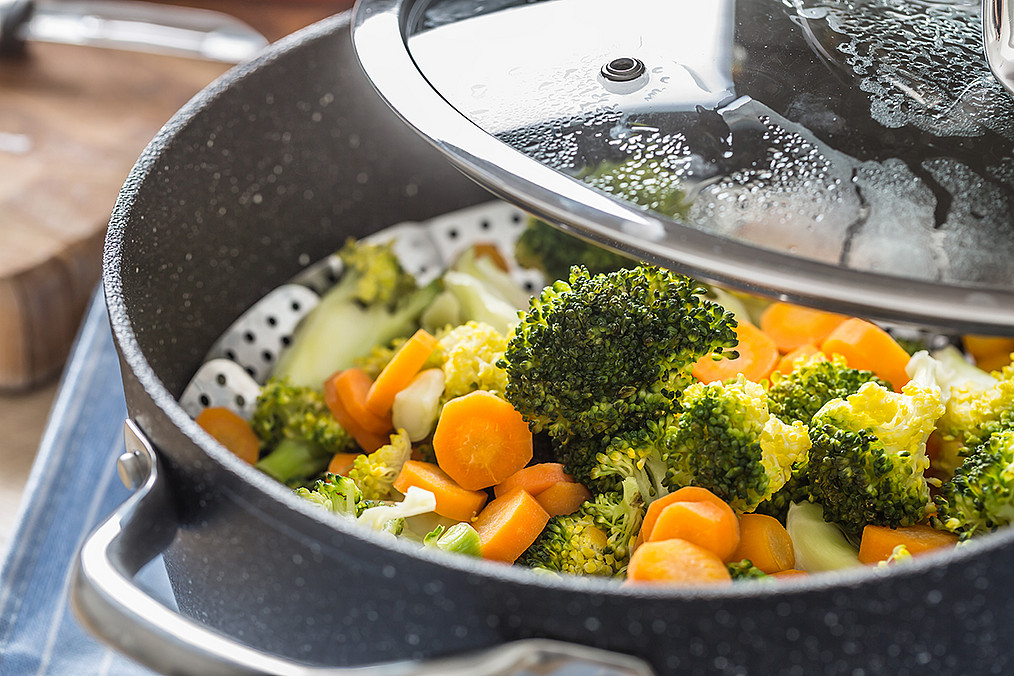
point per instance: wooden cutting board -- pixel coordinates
(72, 122)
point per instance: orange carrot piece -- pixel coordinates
(341, 463)
(792, 326)
(563, 497)
(989, 349)
(764, 540)
(453, 501)
(480, 440)
(758, 356)
(706, 524)
(533, 478)
(509, 525)
(676, 561)
(790, 572)
(878, 542)
(867, 346)
(399, 372)
(809, 352)
(367, 440)
(994, 362)
(350, 388)
(232, 431)
(685, 494)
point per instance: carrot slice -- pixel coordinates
(399, 372)
(790, 572)
(878, 542)
(792, 326)
(764, 541)
(350, 388)
(684, 494)
(787, 364)
(480, 440)
(989, 349)
(758, 356)
(534, 478)
(453, 501)
(868, 347)
(509, 525)
(563, 497)
(676, 561)
(367, 440)
(341, 463)
(232, 431)
(706, 524)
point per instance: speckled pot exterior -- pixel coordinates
(271, 168)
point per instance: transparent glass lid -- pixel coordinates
(857, 155)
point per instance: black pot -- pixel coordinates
(271, 167)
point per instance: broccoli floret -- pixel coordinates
(726, 440)
(594, 540)
(338, 494)
(375, 473)
(374, 296)
(745, 570)
(553, 251)
(598, 353)
(980, 496)
(469, 356)
(868, 459)
(297, 431)
(813, 383)
(979, 403)
(636, 455)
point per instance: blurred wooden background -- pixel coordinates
(72, 122)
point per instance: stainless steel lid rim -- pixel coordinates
(378, 34)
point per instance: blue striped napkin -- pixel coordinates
(73, 485)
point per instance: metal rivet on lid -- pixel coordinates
(623, 69)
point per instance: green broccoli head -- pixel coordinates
(373, 274)
(813, 383)
(637, 455)
(375, 473)
(602, 352)
(980, 496)
(338, 494)
(287, 411)
(978, 407)
(868, 459)
(594, 540)
(297, 431)
(727, 441)
(469, 356)
(745, 570)
(553, 251)
(572, 543)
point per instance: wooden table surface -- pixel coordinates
(72, 122)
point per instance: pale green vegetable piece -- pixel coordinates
(819, 546)
(416, 407)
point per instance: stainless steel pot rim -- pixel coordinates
(316, 523)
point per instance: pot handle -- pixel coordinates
(110, 605)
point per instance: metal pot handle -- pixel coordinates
(109, 603)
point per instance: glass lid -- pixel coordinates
(857, 156)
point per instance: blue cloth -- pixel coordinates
(72, 487)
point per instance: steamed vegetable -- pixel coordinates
(626, 424)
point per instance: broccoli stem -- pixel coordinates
(294, 460)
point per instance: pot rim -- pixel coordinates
(314, 522)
